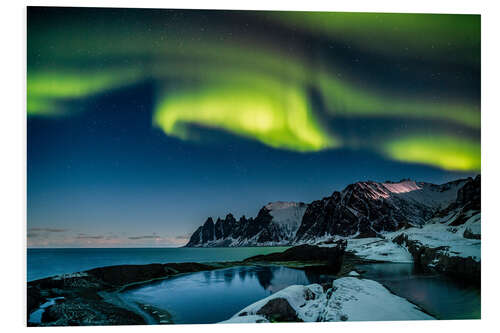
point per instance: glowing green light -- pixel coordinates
(259, 88)
(450, 153)
(342, 98)
(40, 106)
(283, 121)
(45, 89)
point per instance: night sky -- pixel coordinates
(142, 123)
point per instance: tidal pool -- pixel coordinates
(442, 297)
(213, 296)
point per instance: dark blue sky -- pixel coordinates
(107, 172)
(105, 175)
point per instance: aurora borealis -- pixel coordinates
(137, 114)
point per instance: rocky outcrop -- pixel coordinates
(441, 259)
(85, 312)
(330, 257)
(347, 299)
(466, 205)
(279, 310)
(80, 295)
(468, 233)
(449, 242)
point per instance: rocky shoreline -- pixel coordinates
(440, 259)
(84, 298)
(92, 297)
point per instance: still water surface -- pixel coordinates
(439, 295)
(213, 296)
(209, 297)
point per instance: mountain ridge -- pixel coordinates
(362, 209)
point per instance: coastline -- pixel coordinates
(100, 285)
(97, 293)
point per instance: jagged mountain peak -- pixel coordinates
(275, 224)
(361, 209)
(209, 221)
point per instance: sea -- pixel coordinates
(42, 263)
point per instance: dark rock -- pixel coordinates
(440, 260)
(259, 224)
(83, 304)
(34, 299)
(84, 312)
(331, 256)
(363, 208)
(470, 235)
(279, 310)
(248, 231)
(205, 233)
(196, 238)
(468, 203)
(326, 286)
(208, 232)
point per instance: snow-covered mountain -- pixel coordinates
(275, 224)
(362, 209)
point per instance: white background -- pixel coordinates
(13, 160)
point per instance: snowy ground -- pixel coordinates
(437, 234)
(374, 248)
(350, 299)
(379, 249)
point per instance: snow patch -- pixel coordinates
(377, 249)
(437, 234)
(349, 299)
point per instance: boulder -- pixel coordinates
(278, 310)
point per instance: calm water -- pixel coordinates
(48, 262)
(210, 297)
(440, 296)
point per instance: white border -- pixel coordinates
(13, 162)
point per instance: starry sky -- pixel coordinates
(142, 123)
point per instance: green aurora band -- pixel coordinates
(447, 152)
(258, 90)
(45, 89)
(280, 119)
